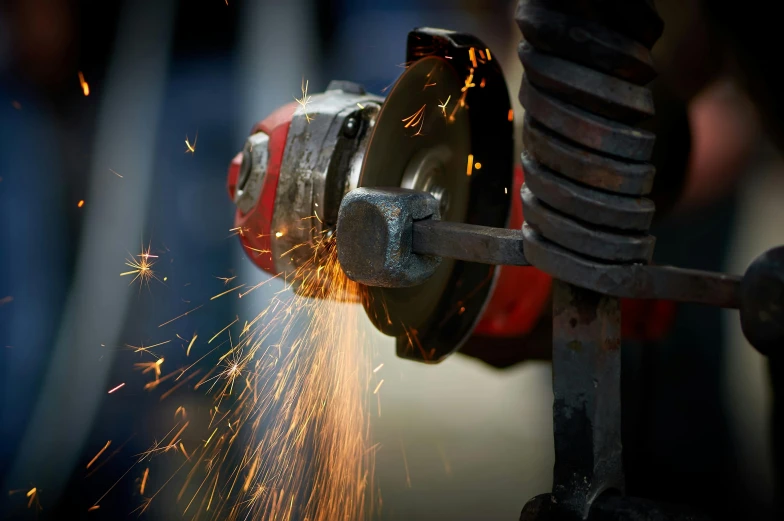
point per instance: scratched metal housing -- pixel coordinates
(324, 153)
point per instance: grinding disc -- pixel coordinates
(421, 140)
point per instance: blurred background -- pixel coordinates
(96, 102)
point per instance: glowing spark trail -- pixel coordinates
(191, 148)
(142, 268)
(443, 105)
(304, 100)
(417, 118)
(286, 438)
(83, 84)
(95, 458)
(116, 388)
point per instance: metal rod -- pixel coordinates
(469, 242)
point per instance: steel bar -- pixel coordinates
(490, 245)
(469, 242)
(587, 397)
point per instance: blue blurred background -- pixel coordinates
(478, 441)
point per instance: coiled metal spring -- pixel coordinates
(586, 165)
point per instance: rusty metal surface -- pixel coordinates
(374, 235)
(584, 238)
(600, 208)
(587, 396)
(762, 302)
(490, 245)
(585, 87)
(582, 165)
(632, 280)
(585, 42)
(469, 242)
(590, 130)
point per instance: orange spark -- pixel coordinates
(226, 280)
(188, 351)
(472, 56)
(95, 458)
(469, 81)
(178, 317)
(80, 203)
(115, 388)
(478, 165)
(94, 507)
(191, 148)
(417, 118)
(144, 480)
(227, 291)
(375, 391)
(85, 86)
(510, 115)
(443, 105)
(33, 495)
(142, 268)
(470, 165)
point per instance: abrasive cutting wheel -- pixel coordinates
(445, 128)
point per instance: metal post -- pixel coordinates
(587, 390)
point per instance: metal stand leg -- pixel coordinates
(587, 389)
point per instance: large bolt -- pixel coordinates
(375, 235)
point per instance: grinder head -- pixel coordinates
(445, 128)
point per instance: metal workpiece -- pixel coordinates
(585, 42)
(469, 242)
(585, 219)
(583, 238)
(322, 163)
(374, 236)
(639, 281)
(253, 170)
(588, 88)
(587, 396)
(579, 164)
(585, 128)
(762, 302)
(611, 210)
